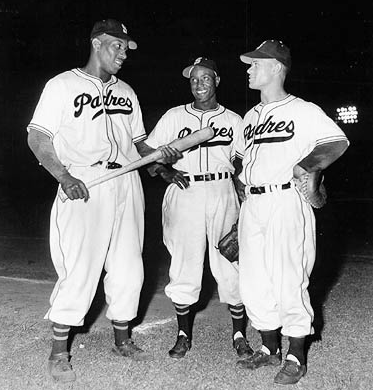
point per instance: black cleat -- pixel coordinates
(260, 359)
(180, 348)
(242, 347)
(290, 373)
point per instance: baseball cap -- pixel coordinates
(200, 61)
(114, 28)
(269, 49)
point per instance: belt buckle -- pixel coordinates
(208, 177)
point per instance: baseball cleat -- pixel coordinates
(180, 348)
(290, 373)
(242, 347)
(259, 359)
(129, 349)
(60, 369)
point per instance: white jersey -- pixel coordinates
(205, 208)
(178, 122)
(89, 121)
(280, 134)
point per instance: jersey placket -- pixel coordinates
(250, 164)
(204, 151)
(109, 127)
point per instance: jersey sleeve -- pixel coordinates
(50, 107)
(238, 139)
(137, 124)
(240, 145)
(321, 129)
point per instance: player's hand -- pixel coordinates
(171, 175)
(240, 189)
(73, 187)
(170, 154)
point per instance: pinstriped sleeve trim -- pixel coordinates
(333, 138)
(239, 155)
(139, 138)
(33, 126)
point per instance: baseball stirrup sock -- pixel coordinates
(120, 331)
(182, 314)
(296, 348)
(270, 339)
(60, 337)
(238, 319)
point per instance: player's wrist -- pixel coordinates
(62, 176)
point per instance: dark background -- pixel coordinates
(331, 46)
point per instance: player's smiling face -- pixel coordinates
(261, 72)
(203, 83)
(112, 53)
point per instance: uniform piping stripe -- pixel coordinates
(190, 110)
(33, 126)
(330, 139)
(139, 138)
(304, 250)
(62, 253)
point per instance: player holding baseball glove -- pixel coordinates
(286, 144)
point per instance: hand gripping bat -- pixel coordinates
(181, 144)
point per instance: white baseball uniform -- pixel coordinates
(208, 207)
(277, 227)
(90, 124)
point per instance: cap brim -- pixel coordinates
(247, 58)
(131, 43)
(187, 70)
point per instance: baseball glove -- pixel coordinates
(310, 184)
(228, 245)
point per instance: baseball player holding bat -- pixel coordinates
(283, 136)
(200, 202)
(87, 123)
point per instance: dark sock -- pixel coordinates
(120, 331)
(270, 339)
(182, 313)
(296, 348)
(238, 318)
(60, 337)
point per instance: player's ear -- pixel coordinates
(217, 81)
(96, 44)
(278, 67)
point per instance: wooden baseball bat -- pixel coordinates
(181, 144)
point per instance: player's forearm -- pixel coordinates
(237, 163)
(42, 147)
(144, 149)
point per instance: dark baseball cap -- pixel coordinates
(201, 61)
(269, 49)
(114, 28)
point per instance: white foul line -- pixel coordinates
(145, 327)
(35, 281)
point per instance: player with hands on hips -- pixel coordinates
(200, 202)
(276, 229)
(88, 121)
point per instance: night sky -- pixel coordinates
(331, 46)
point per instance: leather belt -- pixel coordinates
(208, 176)
(109, 164)
(270, 188)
